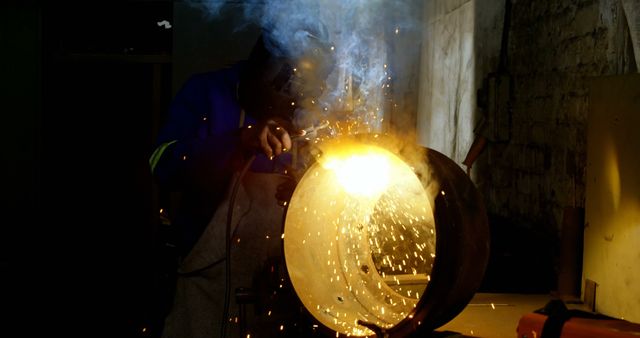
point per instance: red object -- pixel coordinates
(531, 324)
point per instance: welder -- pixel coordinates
(219, 121)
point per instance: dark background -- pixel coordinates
(85, 87)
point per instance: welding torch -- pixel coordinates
(310, 132)
(302, 157)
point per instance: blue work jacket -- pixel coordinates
(198, 149)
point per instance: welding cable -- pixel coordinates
(232, 199)
(227, 247)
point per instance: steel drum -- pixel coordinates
(384, 238)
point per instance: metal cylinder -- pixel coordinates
(384, 237)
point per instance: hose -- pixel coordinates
(227, 247)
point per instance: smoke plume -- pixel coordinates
(357, 32)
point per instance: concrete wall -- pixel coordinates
(446, 105)
(632, 14)
(461, 44)
(612, 232)
(554, 48)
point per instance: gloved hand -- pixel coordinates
(270, 136)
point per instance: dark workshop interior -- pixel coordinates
(537, 102)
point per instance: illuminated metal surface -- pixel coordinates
(360, 238)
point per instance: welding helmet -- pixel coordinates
(277, 79)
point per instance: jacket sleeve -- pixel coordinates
(198, 145)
